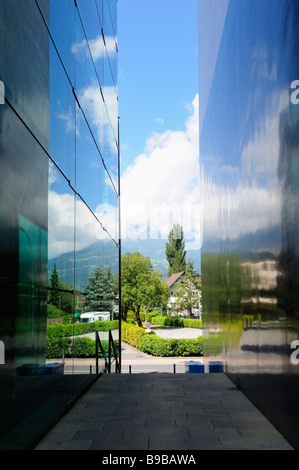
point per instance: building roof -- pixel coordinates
(173, 278)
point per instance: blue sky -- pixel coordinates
(158, 109)
(158, 74)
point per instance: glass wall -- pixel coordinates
(59, 207)
(249, 136)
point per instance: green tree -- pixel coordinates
(54, 292)
(188, 291)
(100, 294)
(66, 298)
(141, 285)
(175, 250)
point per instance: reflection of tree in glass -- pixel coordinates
(100, 288)
(61, 299)
(54, 292)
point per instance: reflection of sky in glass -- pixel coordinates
(83, 133)
(240, 145)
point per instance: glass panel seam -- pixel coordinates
(85, 35)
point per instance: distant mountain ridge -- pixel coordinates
(89, 258)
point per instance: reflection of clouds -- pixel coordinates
(261, 66)
(239, 201)
(238, 211)
(260, 156)
(99, 103)
(60, 223)
(63, 211)
(70, 122)
(96, 47)
(53, 173)
(71, 224)
(91, 101)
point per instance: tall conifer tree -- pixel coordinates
(175, 250)
(54, 293)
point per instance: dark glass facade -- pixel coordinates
(249, 136)
(59, 197)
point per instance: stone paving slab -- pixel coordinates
(163, 412)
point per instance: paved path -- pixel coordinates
(154, 412)
(163, 411)
(177, 333)
(139, 362)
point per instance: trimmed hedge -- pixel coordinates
(60, 344)
(156, 346)
(152, 344)
(74, 329)
(178, 322)
(74, 348)
(193, 323)
(132, 334)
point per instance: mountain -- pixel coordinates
(106, 254)
(103, 253)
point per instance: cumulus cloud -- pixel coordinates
(161, 187)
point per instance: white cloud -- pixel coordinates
(96, 46)
(159, 188)
(69, 120)
(164, 182)
(91, 101)
(62, 209)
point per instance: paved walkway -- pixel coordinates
(162, 411)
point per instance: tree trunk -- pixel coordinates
(139, 323)
(124, 313)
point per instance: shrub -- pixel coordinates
(74, 329)
(156, 346)
(193, 323)
(167, 321)
(132, 334)
(82, 347)
(57, 346)
(53, 311)
(173, 321)
(152, 344)
(177, 322)
(151, 315)
(75, 348)
(190, 347)
(60, 343)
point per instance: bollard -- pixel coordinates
(174, 368)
